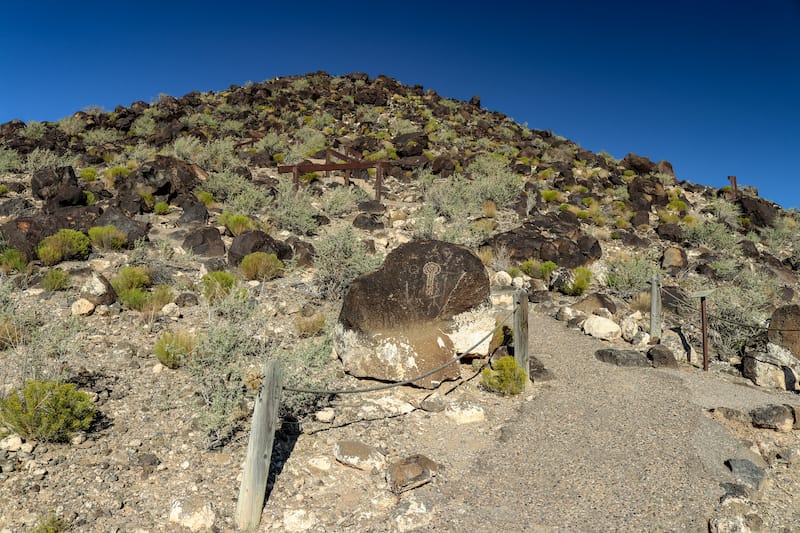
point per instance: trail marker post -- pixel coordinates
(521, 329)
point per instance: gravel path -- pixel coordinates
(602, 448)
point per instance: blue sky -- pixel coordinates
(712, 86)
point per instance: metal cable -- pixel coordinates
(408, 381)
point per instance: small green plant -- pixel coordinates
(131, 277)
(678, 206)
(261, 266)
(107, 238)
(341, 258)
(629, 275)
(583, 276)
(237, 223)
(117, 172)
(56, 280)
(90, 197)
(12, 260)
(173, 347)
(205, 197)
(50, 523)
(47, 411)
(88, 174)
(161, 208)
(64, 245)
(217, 284)
(292, 210)
(507, 377)
(552, 196)
(547, 268)
(134, 298)
(3, 189)
(9, 160)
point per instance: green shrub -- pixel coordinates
(628, 276)
(72, 125)
(34, 130)
(292, 210)
(100, 136)
(134, 298)
(9, 160)
(161, 208)
(90, 197)
(547, 268)
(205, 197)
(64, 245)
(677, 205)
(56, 280)
(583, 276)
(47, 411)
(117, 172)
(217, 284)
(239, 194)
(341, 200)
(144, 126)
(12, 260)
(507, 378)
(3, 189)
(552, 196)
(107, 238)
(173, 347)
(88, 174)
(237, 223)
(341, 258)
(131, 277)
(50, 523)
(715, 235)
(41, 158)
(261, 266)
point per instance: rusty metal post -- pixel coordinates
(378, 181)
(347, 174)
(734, 192)
(296, 178)
(704, 325)
(327, 161)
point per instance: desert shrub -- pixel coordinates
(308, 326)
(173, 347)
(50, 523)
(144, 126)
(56, 280)
(677, 205)
(237, 223)
(425, 223)
(292, 210)
(91, 199)
(13, 332)
(100, 136)
(161, 296)
(539, 270)
(341, 258)
(306, 365)
(261, 266)
(134, 298)
(107, 238)
(118, 171)
(715, 235)
(71, 125)
(219, 155)
(217, 284)
(41, 158)
(88, 174)
(725, 211)
(552, 196)
(47, 411)
(206, 198)
(187, 148)
(131, 277)
(494, 180)
(64, 245)
(506, 378)
(342, 200)
(307, 141)
(9, 160)
(12, 260)
(239, 194)
(583, 276)
(161, 208)
(34, 130)
(627, 276)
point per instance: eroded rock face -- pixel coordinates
(394, 322)
(784, 328)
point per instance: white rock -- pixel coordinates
(465, 412)
(298, 520)
(566, 313)
(470, 327)
(601, 328)
(641, 339)
(502, 279)
(27, 447)
(325, 415)
(413, 514)
(12, 443)
(158, 368)
(171, 310)
(520, 282)
(629, 328)
(359, 455)
(322, 464)
(193, 514)
(82, 307)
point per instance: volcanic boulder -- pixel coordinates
(394, 321)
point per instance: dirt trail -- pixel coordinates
(601, 448)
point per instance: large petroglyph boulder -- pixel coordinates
(396, 323)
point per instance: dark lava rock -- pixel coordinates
(256, 241)
(760, 212)
(133, 230)
(784, 328)
(747, 473)
(661, 356)
(671, 232)
(773, 416)
(205, 241)
(622, 357)
(368, 222)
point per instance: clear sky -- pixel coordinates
(711, 85)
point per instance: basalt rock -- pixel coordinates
(256, 241)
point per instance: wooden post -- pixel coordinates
(734, 192)
(253, 490)
(378, 181)
(655, 308)
(704, 325)
(296, 178)
(327, 161)
(521, 329)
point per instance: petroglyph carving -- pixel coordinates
(430, 270)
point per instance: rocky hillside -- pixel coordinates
(155, 256)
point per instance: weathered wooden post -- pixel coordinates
(734, 192)
(521, 329)
(296, 177)
(655, 308)
(378, 181)
(253, 490)
(704, 322)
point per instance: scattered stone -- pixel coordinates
(320, 464)
(777, 417)
(205, 241)
(325, 415)
(192, 513)
(186, 299)
(784, 328)
(298, 520)
(98, 290)
(502, 279)
(410, 473)
(12, 443)
(628, 328)
(661, 356)
(82, 307)
(567, 313)
(171, 310)
(622, 357)
(412, 514)
(465, 412)
(435, 403)
(641, 339)
(595, 301)
(536, 370)
(680, 347)
(747, 473)
(601, 328)
(359, 455)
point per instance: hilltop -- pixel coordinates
(166, 203)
